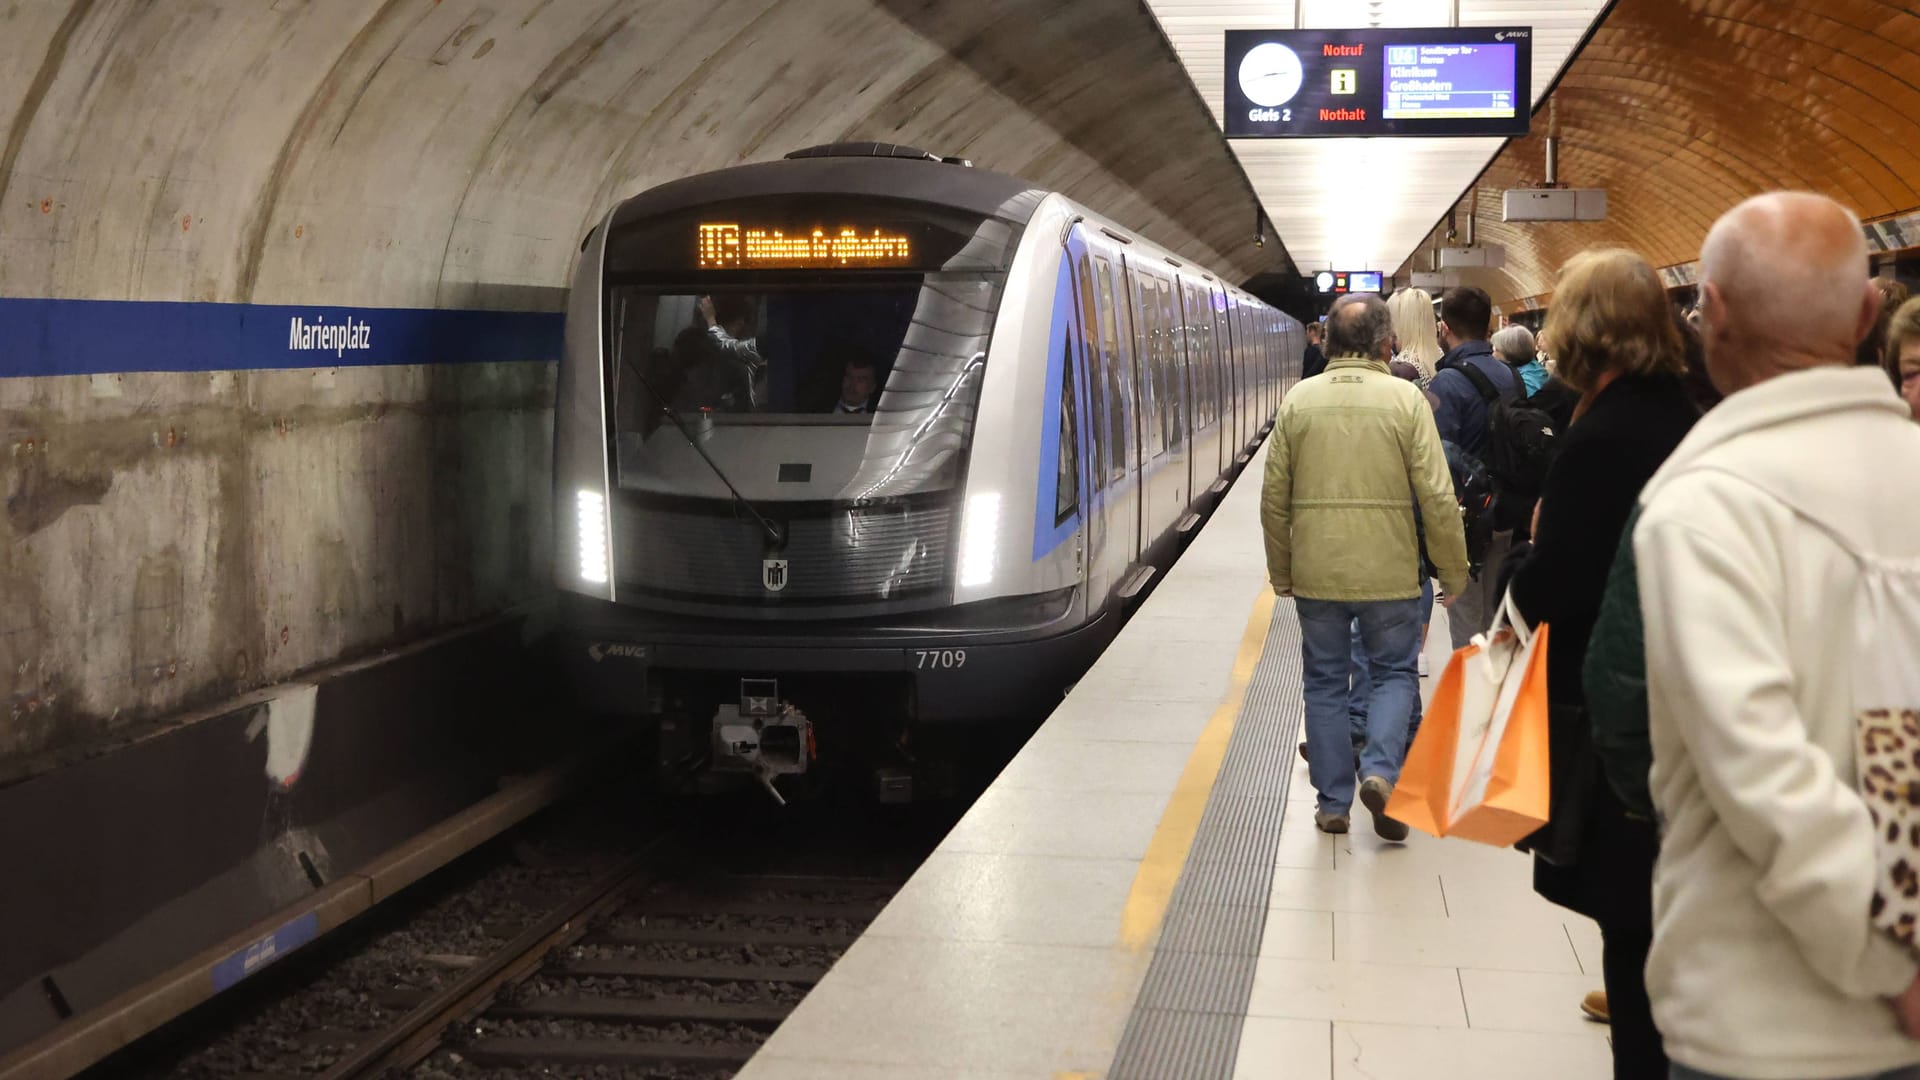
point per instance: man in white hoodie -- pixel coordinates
(1764, 965)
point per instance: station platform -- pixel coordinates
(1142, 894)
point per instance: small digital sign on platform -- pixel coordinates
(1328, 83)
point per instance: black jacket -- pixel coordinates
(1605, 865)
(1314, 363)
(1604, 459)
(1557, 400)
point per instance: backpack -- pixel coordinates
(1520, 442)
(1473, 487)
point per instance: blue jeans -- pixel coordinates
(1360, 687)
(1390, 638)
(1909, 1073)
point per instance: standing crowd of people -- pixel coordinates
(1718, 516)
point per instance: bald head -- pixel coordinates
(1360, 324)
(1783, 287)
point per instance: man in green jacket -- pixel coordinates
(1354, 448)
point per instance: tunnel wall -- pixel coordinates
(187, 521)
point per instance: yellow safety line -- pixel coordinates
(1167, 853)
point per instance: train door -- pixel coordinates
(1232, 354)
(1149, 396)
(1123, 415)
(1091, 387)
(1203, 383)
(1252, 329)
(1173, 379)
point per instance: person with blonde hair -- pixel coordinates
(1903, 353)
(1872, 351)
(1416, 329)
(1617, 345)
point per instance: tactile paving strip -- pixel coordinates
(1187, 1020)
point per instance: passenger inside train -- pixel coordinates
(719, 359)
(859, 383)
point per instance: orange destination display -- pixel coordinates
(729, 245)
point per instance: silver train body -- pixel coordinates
(1057, 404)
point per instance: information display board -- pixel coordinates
(1328, 83)
(1346, 281)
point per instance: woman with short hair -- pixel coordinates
(1514, 346)
(1614, 342)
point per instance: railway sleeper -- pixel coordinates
(517, 1051)
(632, 934)
(663, 1010)
(681, 906)
(705, 970)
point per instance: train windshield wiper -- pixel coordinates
(775, 537)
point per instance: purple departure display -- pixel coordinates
(1449, 82)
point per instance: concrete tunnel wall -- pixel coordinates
(176, 537)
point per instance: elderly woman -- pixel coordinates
(1903, 353)
(1514, 346)
(1616, 343)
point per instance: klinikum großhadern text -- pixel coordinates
(323, 336)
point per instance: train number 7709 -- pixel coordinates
(939, 658)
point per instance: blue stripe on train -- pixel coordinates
(98, 337)
(1047, 534)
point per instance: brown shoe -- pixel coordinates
(1333, 824)
(1594, 1007)
(1374, 793)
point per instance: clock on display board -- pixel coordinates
(1270, 74)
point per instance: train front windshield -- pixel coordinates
(822, 360)
(844, 391)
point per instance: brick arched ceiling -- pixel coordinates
(1682, 108)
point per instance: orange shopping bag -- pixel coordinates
(1479, 769)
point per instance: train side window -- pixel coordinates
(1119, 447)
(1172, 377)
(1148, 391)
(1196, 354)
(1218, 356)
(1225, 350)
(1204, 389)
(1097, 404)
(1066, 498)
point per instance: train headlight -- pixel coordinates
(979, 539)
(593, 537)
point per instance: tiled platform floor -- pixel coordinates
(1429, 960)
(1017, 950)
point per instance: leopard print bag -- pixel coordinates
(1888, 761)
(1887, 737)
(1886, 749)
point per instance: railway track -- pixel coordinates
(618, 941)
(653, 967)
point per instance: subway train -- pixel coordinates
(862, 456)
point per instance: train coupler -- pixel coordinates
(762, 735)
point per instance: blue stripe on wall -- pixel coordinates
(97, 337)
